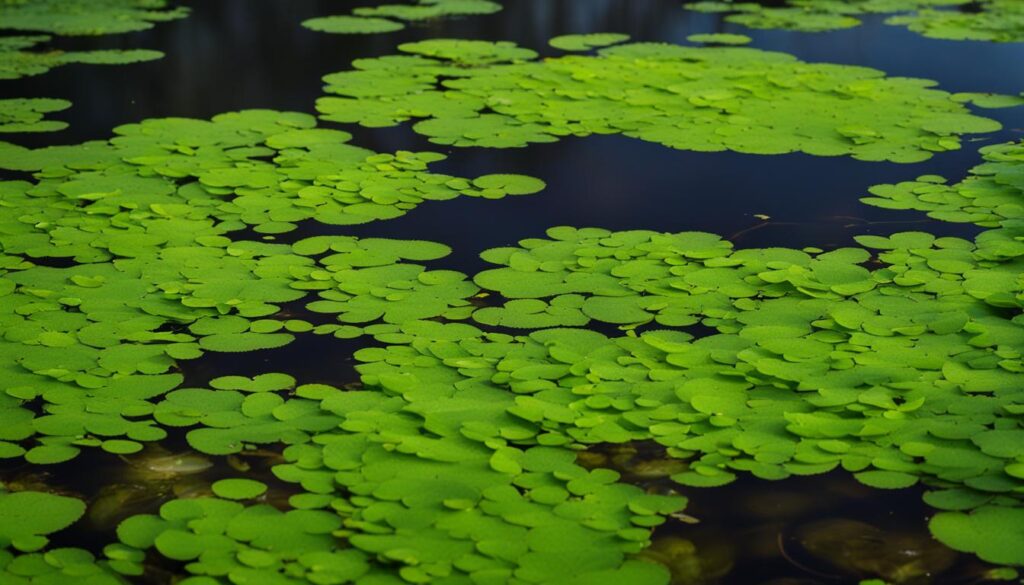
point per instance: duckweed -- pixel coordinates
(719, 39)
(146, 220)
(28, 115)
(988, 20)
(462, 437)
(478, 93)
(86, 17)
(21, 57)
(392, 17)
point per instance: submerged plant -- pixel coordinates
(478, 93)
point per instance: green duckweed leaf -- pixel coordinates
(509, 184)
(586, 42)
(992, 20)
(997, 21)
(386, 18)
(239, 489)
(886, 479)
(719, 39)
(18, 59)
(352, 25)
(237, 342)
(503, 98)
(86, 17)
(994, 533)
(25, 516)
(27, 115)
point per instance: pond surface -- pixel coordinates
(232, 54)
(826, 527)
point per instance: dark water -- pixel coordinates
(236, 54)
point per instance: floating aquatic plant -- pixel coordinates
(478, 93)
(17, 59)
(992, 195)
(392, 17)
(20, 56)
(26, 518)
(86, 17)
(28, 115)
(456, 458)
(63, 565)
(448, 505)
(800, 17)
(997, 20)
(146, 219)
(586, 42)
(461, 441)
(989, 20)
(719, 39)
(347, 25)
(458, 445)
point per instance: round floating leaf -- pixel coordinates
(511, 184)
(238, 342)
(239, 489)
(889, 480)
(695, 107)
(994, 533)
(24, 515)
(121, 447)
(719, 39)
(586, 42)
(352, 25)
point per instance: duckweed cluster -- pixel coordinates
(986, 20)
(461, 440)
(86, 17)
(587, 42)
(720, 39)
(990, 196)
(498, 95)
(145, 220)
(23, 56)
(997, 20)
(392, 17)
(28, 115)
